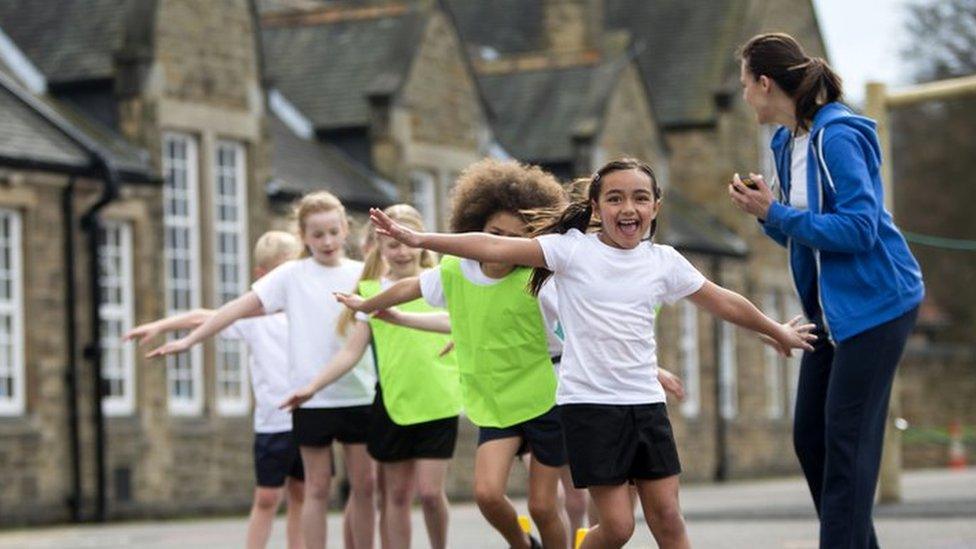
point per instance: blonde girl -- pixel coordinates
(303, 289)
(415, 414)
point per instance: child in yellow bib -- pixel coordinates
(503, 345)
(414, 418)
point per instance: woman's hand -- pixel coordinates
(171, 348)
(296, 399)
(753, 202)
(388, 227)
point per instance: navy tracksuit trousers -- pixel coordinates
(839, 424)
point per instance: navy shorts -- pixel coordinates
(275, 458)
(541, 435)
(613, 444)
(320, 426)
(389, 442)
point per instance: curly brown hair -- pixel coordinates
(490, 186)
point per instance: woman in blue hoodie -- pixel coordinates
(853, 271)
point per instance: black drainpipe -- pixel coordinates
(721, 425)
(93, 351)
(71, 336)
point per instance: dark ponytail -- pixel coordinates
(579, 214)
(808, 80)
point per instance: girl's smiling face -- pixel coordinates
(626, 206)
(324, 234)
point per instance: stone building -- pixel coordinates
(387, 83)
(157, 108)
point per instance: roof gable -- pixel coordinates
(329, 70)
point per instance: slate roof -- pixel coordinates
(329, 70)
(301, 165)
(69, 40)
(36, 130)
(537, 113)
(686, 46)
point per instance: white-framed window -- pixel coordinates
(773, 362)
(230, 270)
(423, 190)
(181, 253)
(116, 313)
(12, 368)
(690, 359)
(728, 382)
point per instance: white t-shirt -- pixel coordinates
(798, 172)
(303, 289)
(266, 338)
(607, 298)
(432, 289)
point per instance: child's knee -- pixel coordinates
(430, 496)
(617, 529)
(398, 496)
(488, 494)
(363, 486)
(543, 507)
(266, 499)
(666, 520)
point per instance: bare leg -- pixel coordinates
(544, 505)
(575, 501)
(616, 511)
(492, 465)
(399, 484)
(317, 461)
(295, 498)
(431, 474)
(659, 499)
(361, 506)
(381, 505)
(266, 500)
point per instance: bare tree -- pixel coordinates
(943, 38)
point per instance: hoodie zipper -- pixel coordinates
(816, 251)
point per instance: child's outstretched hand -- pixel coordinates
(793, 335)
(353, 301)
(171, 348)
(672, 384)
(143, 333)
(387, 226)
(296, 399)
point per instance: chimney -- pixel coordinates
(572, 25)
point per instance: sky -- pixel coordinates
(864, 42)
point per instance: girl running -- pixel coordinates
(302, 289)
(504, 340)
(414, 420)
(609, 282)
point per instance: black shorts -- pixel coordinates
(610, 445)
(275, 458)
(541, 435)
(390, 442)
(320, 426)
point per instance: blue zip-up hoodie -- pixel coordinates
(847, 258)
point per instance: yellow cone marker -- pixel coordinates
(525, 523)
(580, 534)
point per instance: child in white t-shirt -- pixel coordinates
(609, 282)
(303, 290)
(277, 465)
